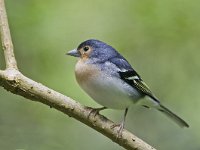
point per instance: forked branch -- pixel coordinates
(14, 81)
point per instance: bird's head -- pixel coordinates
(94, 49)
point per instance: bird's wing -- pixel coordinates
(136, 82)
(130, 76)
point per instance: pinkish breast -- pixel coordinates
(85, 72)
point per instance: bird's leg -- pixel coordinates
(95, 110)
(121, 125)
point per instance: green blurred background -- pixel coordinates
(159, 38)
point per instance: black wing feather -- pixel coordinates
(130, 76)
(137, 83)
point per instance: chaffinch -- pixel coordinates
(108, 78)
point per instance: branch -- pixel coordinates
(14, 81)
(6, 38)
(18, 84)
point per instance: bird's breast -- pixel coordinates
(85, 72)
(108, 91)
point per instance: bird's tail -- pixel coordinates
(152, 102)
(172, 116)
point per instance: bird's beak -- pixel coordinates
(74, 53)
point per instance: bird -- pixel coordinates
(109, 79)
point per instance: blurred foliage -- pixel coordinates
(160, 39)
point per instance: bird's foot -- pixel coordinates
(119, 131)
(95, 111)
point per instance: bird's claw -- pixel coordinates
(119, 131)
(95, 111)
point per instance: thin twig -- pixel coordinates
(6, 38)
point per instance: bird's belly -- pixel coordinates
(109, 91)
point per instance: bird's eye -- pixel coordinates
(86, 48)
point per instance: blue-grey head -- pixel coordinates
(95, 50)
